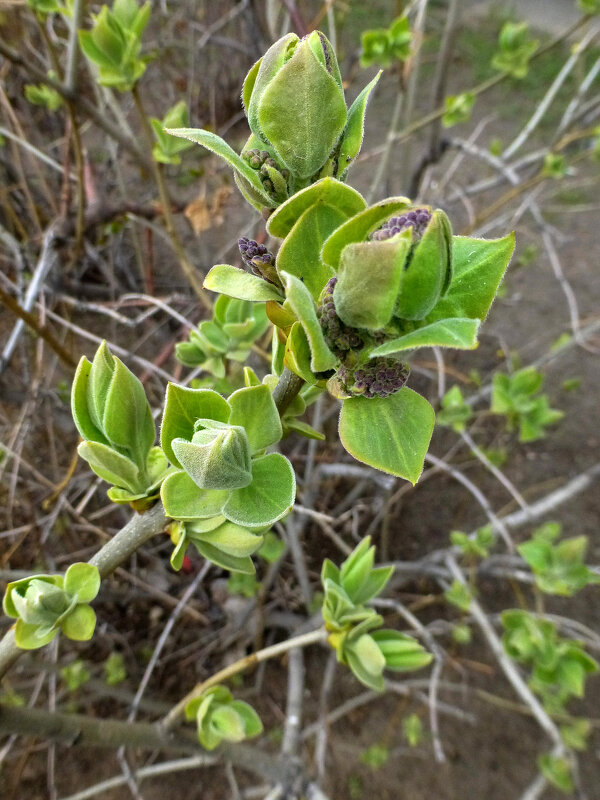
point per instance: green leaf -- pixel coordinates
(255, 410)
(82, 580)
(402, 653)
(327, 191)
(297, 356)
(75, 675)
(369, 279)
(478, 265)
(391, 434)
(249, 82)
(352, 138)
(250, 719)
(183, 406)
(79, 625)
(110, 465)
(557, 771)
(268, 498)
(27, 636)
(114, 669)
(127, 420)
(458, 333)
(234, 282)
(373, 585)
(455, 412)
(575, 734)
(84, 423)
(360, 226)
(458, 595)
(367, 662)
(272, 547)
(589, 6)
(231, 539)
(412, 727)
(376, 48)
(242, 564)
(300, 253)
(290, 112)
(429, 270)
(303, 306)
(218, 146)
(458, 109)
(375, 756)
(182, 499)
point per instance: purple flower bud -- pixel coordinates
(341, 339)
(418, 219)
(259, 260)
(380, 377)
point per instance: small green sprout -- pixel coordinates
(114, 43)
(221, 718)
(558, 567)
(518, 398)
(43, 605)
(515, 49)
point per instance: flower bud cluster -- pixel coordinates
(379, 377)
(417, 218)
(340, 338)
(260, 160)
(259, 260)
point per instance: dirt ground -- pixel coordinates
(492, 752)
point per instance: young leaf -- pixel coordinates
(352, 137)
(390, 434)
(290, 112)
(255, 410)
(182, 499)
(358, 227)
(82, 580)
(369, 279)
(268, 498)
(479, 265)
(183, 406)
(303, 306)
(127, 420)
(234, 282)
(79, 625)
(300, 253)
(111, 466)
(220, 147)
(84, 423)
(327, 191)
(458, 333)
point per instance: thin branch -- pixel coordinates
(509, 669)
(163, 768)
(137, 532)
(79, 100)
(548, 98)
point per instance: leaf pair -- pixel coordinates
(113, 416)
(219, 717)
(218, 446)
